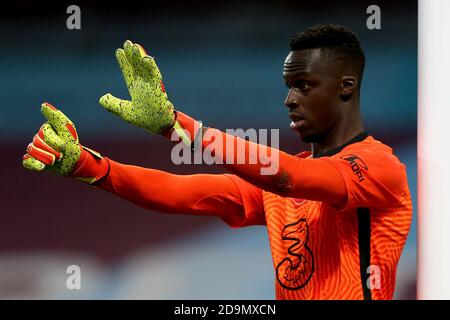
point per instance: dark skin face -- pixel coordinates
(323, 99)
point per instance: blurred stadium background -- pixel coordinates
(222, 63)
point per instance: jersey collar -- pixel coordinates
(360, 137)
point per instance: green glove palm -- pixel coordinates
(149, 107)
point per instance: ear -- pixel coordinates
(348, 86)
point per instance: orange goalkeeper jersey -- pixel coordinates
(322, 252)
(319, 250)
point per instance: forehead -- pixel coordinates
(303, 61)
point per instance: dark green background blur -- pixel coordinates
(222, 63)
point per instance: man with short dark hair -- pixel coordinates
(323, 73)
(337, 217)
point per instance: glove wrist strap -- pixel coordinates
(185, 129)
(91, 168)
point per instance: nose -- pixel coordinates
(291, 100)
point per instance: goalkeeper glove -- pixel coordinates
(56, 148)
(149, 107)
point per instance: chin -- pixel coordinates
(308, 138)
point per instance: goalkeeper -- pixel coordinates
(337, 216)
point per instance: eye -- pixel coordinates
(303, 85)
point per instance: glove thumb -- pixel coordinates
(115, 105)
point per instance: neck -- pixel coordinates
(343, 131)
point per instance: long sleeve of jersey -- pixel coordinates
(270, 169)
(338, 181)
(225, 196)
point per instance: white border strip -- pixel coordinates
(433, 279)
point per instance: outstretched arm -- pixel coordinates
(149, 108)
(225, 196)
(330, 180)
(56, 148)
(274, 170)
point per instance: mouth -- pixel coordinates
(297, 121)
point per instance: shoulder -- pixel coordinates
(371, 151)
(375, 159)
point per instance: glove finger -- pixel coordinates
(136, 60)
(151, 68)
(43, 156)
(63, 126)
(142, 50)
(128, 49)
(121, 108)
(125, 67)
(51, 138)
(40, 144)
(31, 163)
